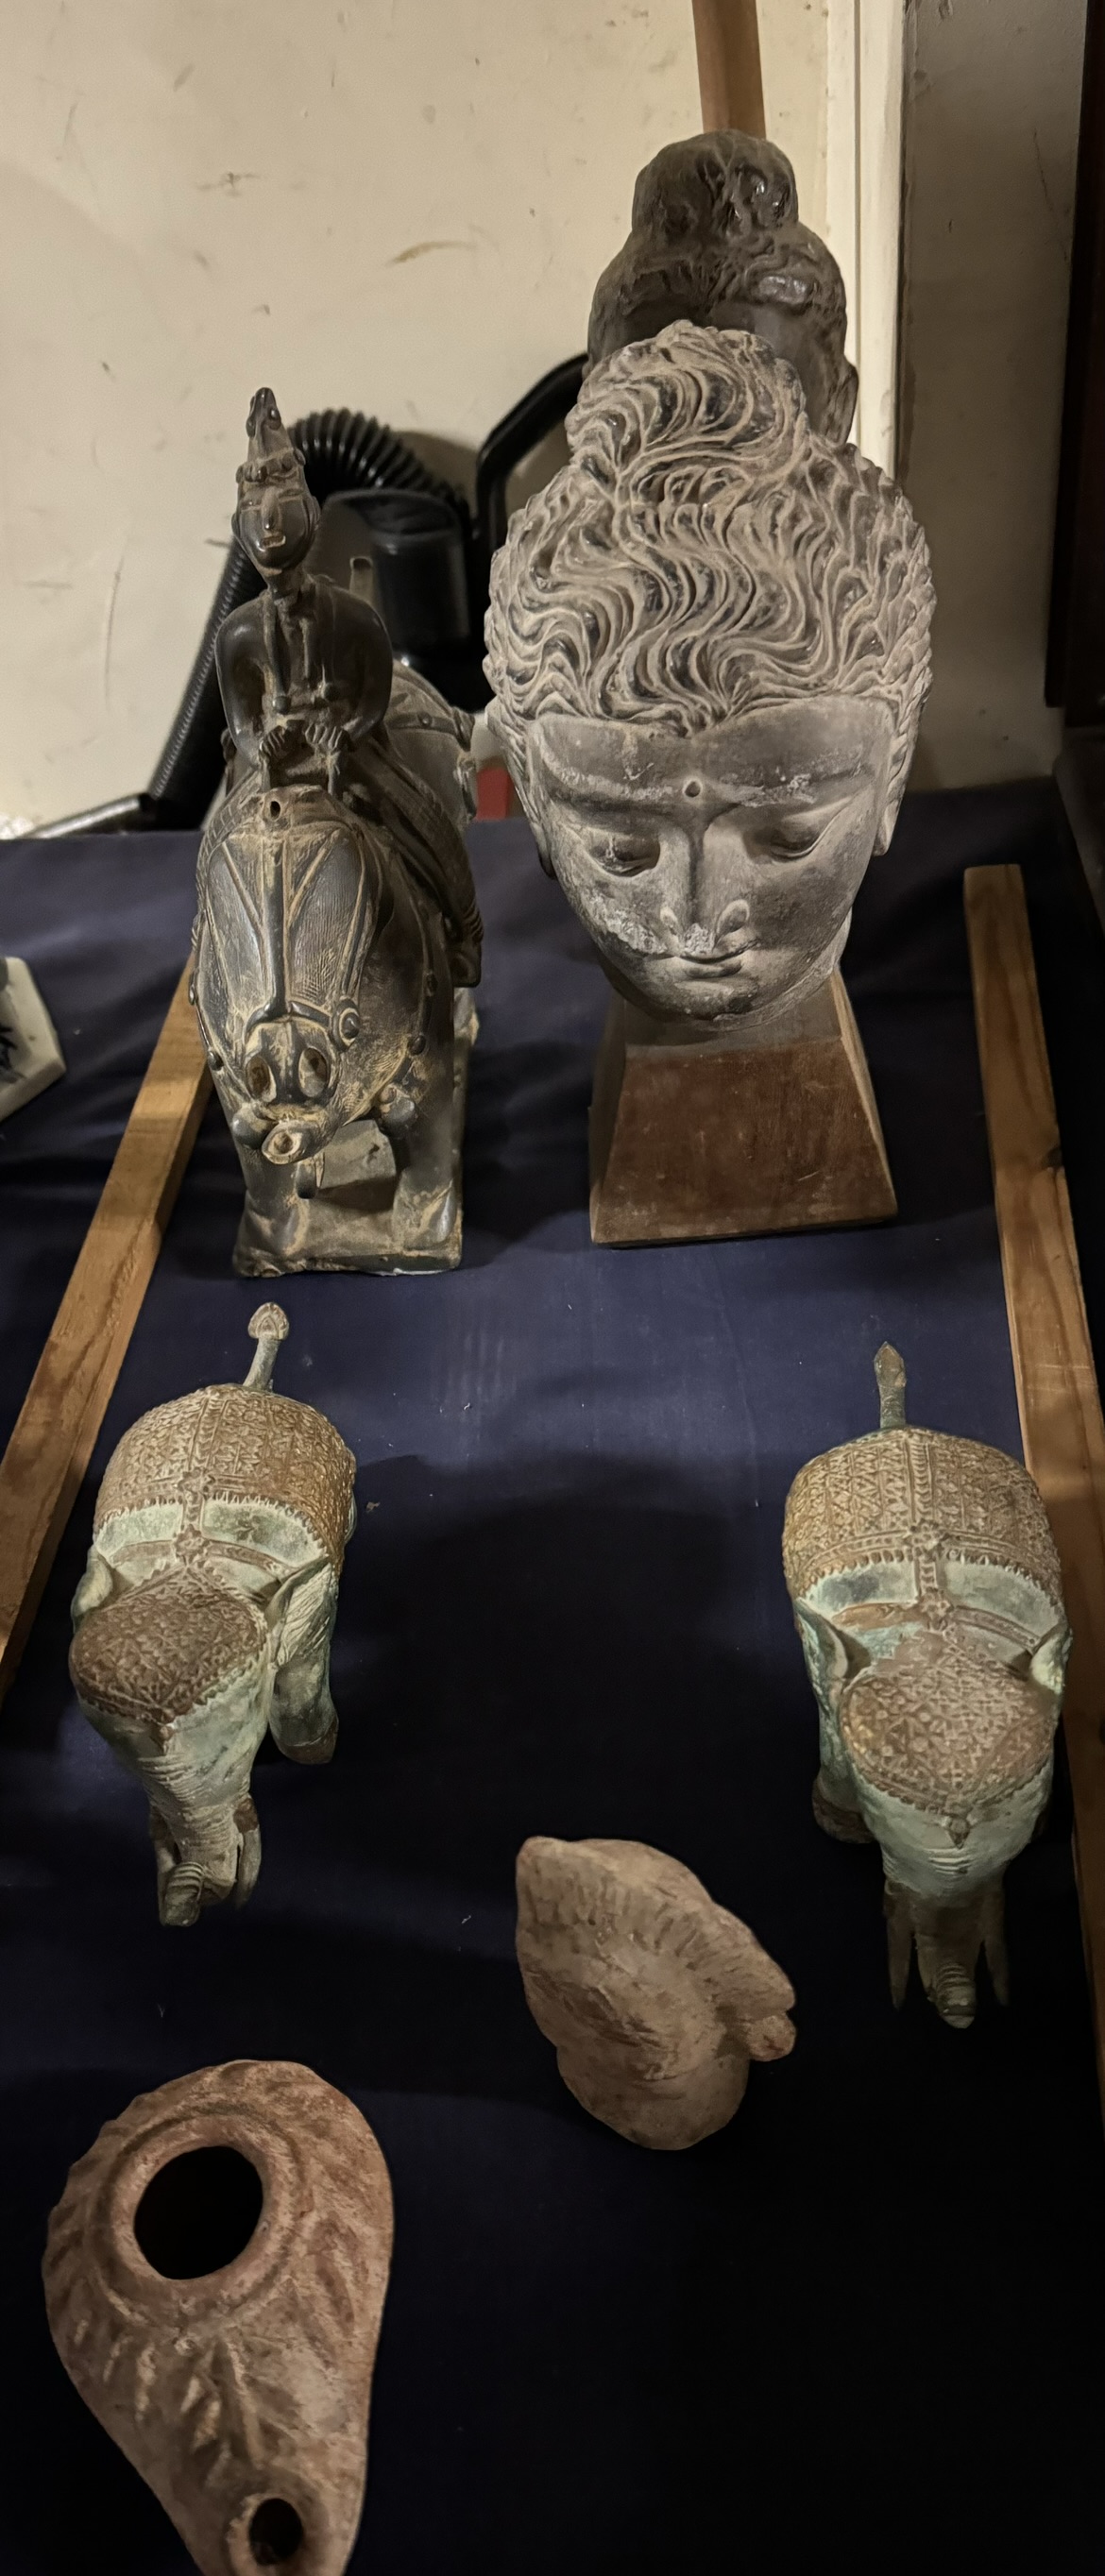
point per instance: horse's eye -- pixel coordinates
(314, 1072)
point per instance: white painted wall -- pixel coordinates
(398, 204)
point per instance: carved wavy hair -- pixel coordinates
(705, 551)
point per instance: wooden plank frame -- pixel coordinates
(1060, 1408)
(47, 1456)
(730, 81)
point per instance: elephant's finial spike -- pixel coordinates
(890, 1380)
(268, 1328)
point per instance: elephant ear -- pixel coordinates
(833, 1656)
(96, 1586)
(291, 1609)
(1048, 1665)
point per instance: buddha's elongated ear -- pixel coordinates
(898, 768)
(506, 737)
(541, 842)
(531, 807)
(889, 816)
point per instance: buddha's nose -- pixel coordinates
(721, 865)
(732, 916)
(704, 930)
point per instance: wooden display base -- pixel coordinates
(764, 1130)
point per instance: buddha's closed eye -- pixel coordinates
(793, 835)
(625, 854)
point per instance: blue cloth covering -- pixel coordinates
(869, 2313)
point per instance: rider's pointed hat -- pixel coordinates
(270, 449)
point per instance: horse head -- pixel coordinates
(293, 892)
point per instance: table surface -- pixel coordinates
(874, 2302)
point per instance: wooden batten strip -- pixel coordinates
(47, 1456)
(1060, 1409)
(730, 80)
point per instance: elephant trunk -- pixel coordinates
(202, 1858)
(176, 1673)
(948, 1940)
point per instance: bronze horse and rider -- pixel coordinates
(337, 935)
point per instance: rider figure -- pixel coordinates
(305, 673)
(307, 667)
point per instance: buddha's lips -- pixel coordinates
(713, 961)
(646, 950)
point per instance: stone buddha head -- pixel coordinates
(715, 238)
(708, 642)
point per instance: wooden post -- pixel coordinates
(1060, 1409)
(730, 81)
(48, 1453)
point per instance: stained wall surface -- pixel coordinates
(405, 208)
(989, 148)
(399, 207)
(992, 103)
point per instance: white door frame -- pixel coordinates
(865, 69)
(833, 84)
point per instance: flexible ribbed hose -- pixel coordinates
(342, 452)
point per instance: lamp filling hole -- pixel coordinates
(275, 2532)
(198, 2212)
